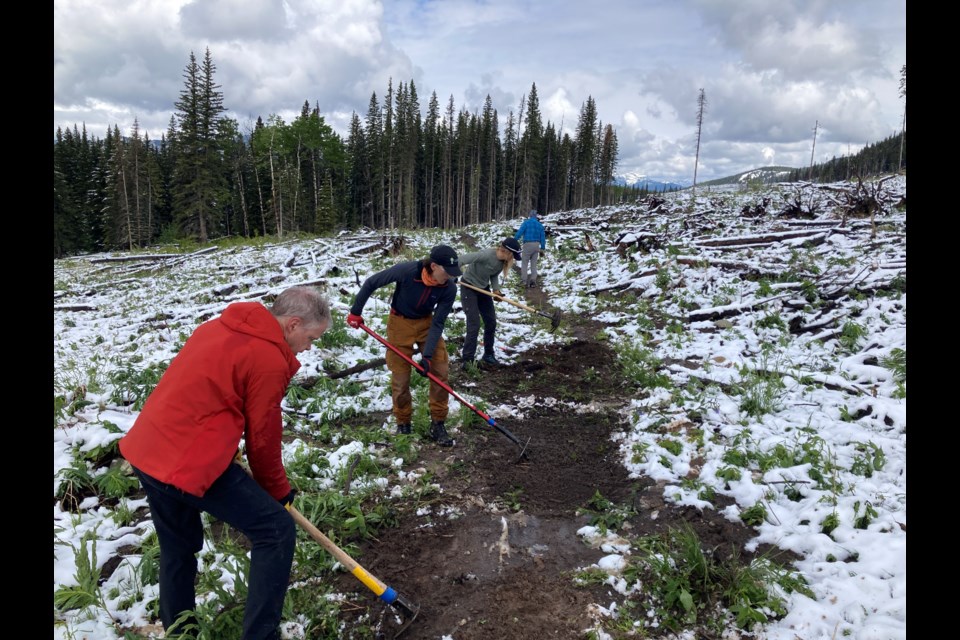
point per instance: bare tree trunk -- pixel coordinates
(263, 209)
(149, 208)
(816, 125)
(243, 202)
(296, 191)
(278, 216)
(136, 192)
(701, 105)
(126, 208)
(316, 192)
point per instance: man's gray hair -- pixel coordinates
(303, 302)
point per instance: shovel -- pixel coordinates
(554, 318)
(490, 421)
(406, 609)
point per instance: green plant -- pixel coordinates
(728, 474)
(760, 392)
(747, 590)
(132, 386)
(683, 583)
(861, 521)
(86, 592)
(851, 334)
(673, 446)
(641, 366)
(736, 457)
(76, 482)
(604, 514)
(869, 458)
(831, 522)
(114, 483)
(512, 498)
(755, 515)
(662, 280)
(771, 321)
(896, 361)
(639, 452)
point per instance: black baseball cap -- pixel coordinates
(447, 258)
(511, 245)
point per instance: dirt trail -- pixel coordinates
(496, 556)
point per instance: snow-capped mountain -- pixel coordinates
(641, 181)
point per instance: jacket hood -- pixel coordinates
(254, 319)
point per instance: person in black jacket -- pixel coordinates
(424, 296)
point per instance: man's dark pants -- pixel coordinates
(237, 499)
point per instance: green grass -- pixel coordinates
(686, 587)
(641, 366)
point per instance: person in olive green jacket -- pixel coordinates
(483, 269)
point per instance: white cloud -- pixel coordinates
(770, 71)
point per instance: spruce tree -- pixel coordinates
(199, 187)
(532, 158)
(586, 142)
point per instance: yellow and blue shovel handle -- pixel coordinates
(387, 594)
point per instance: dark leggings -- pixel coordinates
(478, 308)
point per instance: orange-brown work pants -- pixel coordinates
(403, 333)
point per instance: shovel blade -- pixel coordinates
(408, 612)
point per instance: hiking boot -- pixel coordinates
(490, 359)
(403, 429)
(465, 364)
(438, 433)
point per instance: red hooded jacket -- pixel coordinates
(226, 383)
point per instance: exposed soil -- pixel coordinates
(496, 556)
(499, 562)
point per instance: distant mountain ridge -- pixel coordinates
(640, 181)
(763, 175)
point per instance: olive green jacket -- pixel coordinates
(482, 269)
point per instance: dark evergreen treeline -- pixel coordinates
(887, 156)
(206, 179)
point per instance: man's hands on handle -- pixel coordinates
(498, 293)
(354, 320)
(287, 500)
(425, 367)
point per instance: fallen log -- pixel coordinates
(769, 238)
(74, 307)
(153, 256)
(311, 381)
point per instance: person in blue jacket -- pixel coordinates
(534, 238)
(424, 295)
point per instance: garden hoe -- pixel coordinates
(405, 609)
(490, 421)
(554, 318)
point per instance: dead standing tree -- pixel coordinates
(701, 107)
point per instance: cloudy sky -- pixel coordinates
(772, 72)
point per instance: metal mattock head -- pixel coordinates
(555, 320)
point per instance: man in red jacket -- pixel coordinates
(226, 383)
